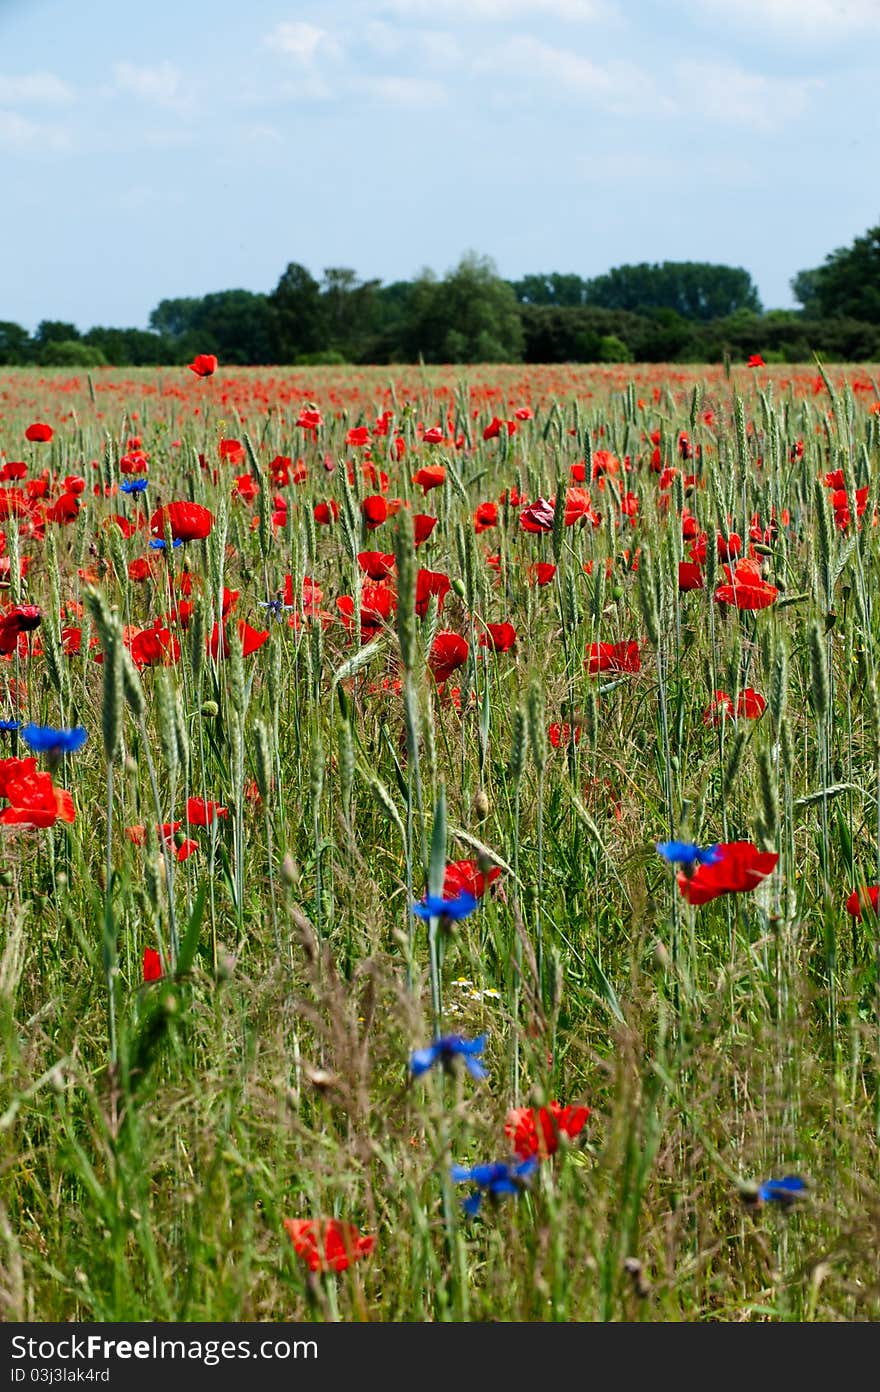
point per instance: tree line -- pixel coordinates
(682, 311)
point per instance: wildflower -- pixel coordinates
(746, 587)
(39, 433)
(431, 476)
(448, 651)
(152, 968)
(865, 897)
(738, 868)
(498, 636)
(785, 1191)
(756, 361)
(53, 743)
(21, 618)
(613, 657)
(750, 704)
(133, 485)
(423, 526)
(158, 543)
(686, 854)
(328, 1244)
(466, 875)
(432, 906)
(536, 1130)
(203, 364)
(493, 1181)
(202, 812)
(186, 521)
(33, 798)
(445, 1051)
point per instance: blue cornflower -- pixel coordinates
(503, 1177)
(782, 1191)
(7, 725)
(135, 485)
(46, 740)
(435, 906)
(445, 1050)
(687, 854)
(158, 543)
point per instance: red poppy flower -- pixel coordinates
(13, 469)
(485, 516)
(428, 584)
(541, 573)
(756, 361)
(433, 435)
(500, 637)
(39, 433)
(431, 476)
(152, 968)
(328, 1244)
(309, 419)
(21, 618)
(448, 652)
(690, 576)
(378, 602)
(154, 647)
(466, 876)
(187, 521)
(201, 812)
(536, 1130)
(559, 734)
(251, 639)
(34, 800)
(747, 589)
(203, 364)
(375, 510)
(739, 868)
(538, 516)
(326, 513)
(751, 704)
(719, 707)
(377, 564)
(358, 435)
(865, 897)
(423, 526)
(613, 657)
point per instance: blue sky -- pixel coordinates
(177, 148)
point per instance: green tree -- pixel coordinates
(554, 289)
(848, 283)
(15, 343)
(693, 289)
(469, 316)
(70, 352)
(297, 315)
(55, 331)
(805, 290)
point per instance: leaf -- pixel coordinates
(187, 952)
(360, 659)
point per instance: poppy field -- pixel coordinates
(439, 844)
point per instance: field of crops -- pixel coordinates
(439, 844)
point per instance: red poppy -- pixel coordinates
(154, 647)
(747, 588)
(751, 704)
(428, 584)
(865, 897)
(203, 364)
(64, 509)
(251, 639)
(500, 637)
(328, 1244)
(21, 618)
(495, 427)
(423, 526)
(326, 513)
(431, 476)
(152, 968)
(377, 564)
(466, 875)
(719, 708)
(690, 576)
(739, 868)
(541, 573)
(378, 602)
(448, 652)
(309, 419)
(33, 798)
(485, 516)
(358, 435)
(559, 734)
(538, 516)
(374, 510)
(433, 435)
(187, 521)
(613, 657)
(201, 812)
(536, 1130)
(13, 469)
(756, 361)
(39, 433)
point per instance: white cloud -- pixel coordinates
(404, 91)
(18, 133)
(574, 11)
(432, 46)
(728, 94)
(303, 42)
(38, 89)
(160, 86)
(619, 87)
(801, 20)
